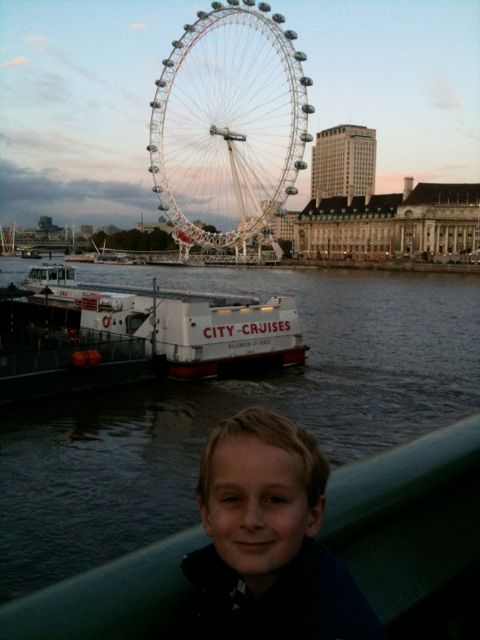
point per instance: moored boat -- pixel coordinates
(31, 254)
(81, 257)
(188, 335)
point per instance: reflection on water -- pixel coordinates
(88, 478)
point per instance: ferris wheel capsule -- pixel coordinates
(264, 6)
(278, 18)
(300, 56)
(308, 108)
(306, 137)
(201, 15)
(233, 3)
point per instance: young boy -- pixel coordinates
(261, 498)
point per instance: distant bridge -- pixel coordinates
(53, 245)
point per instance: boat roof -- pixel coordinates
(215, 299)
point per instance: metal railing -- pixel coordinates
(38, 351)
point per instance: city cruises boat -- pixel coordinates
(200, 335)
(187, 335)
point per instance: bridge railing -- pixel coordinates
(406, 522)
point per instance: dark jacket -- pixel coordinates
(315, 598)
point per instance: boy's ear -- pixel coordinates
(205, 516)
(315, 518)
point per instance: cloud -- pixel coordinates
(465, 131)
(19, 61)
(443, 95)
(51, 88)
(43, 44)
(25, 195)
(46, 143)
(136, 26)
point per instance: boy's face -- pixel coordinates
(257, 511)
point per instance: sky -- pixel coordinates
(77, 77)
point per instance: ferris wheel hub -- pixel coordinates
(227, 134)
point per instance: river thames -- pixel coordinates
(89, 477)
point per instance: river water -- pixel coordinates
(87, 478)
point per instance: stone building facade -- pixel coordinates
(433, 219)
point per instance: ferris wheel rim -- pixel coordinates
(293, 163)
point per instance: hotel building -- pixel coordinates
(344, 162)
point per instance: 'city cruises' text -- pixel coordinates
(247, 329)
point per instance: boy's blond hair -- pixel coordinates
(278, 430)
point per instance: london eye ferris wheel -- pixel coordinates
(229, 124)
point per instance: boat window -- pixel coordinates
(43, 274)
(61, 274)
(134, 323)
(52, 275)
(70, 274)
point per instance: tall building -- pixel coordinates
(344, 162)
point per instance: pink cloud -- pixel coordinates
(19, 61)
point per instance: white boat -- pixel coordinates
(81, 257)
(189, 335)
(52, 282)
(117, 257)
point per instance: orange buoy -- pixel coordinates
(93, 357)
(106, 320)
(78, 359)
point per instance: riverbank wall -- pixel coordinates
(400, 266)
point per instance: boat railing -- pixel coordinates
(39, 351)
